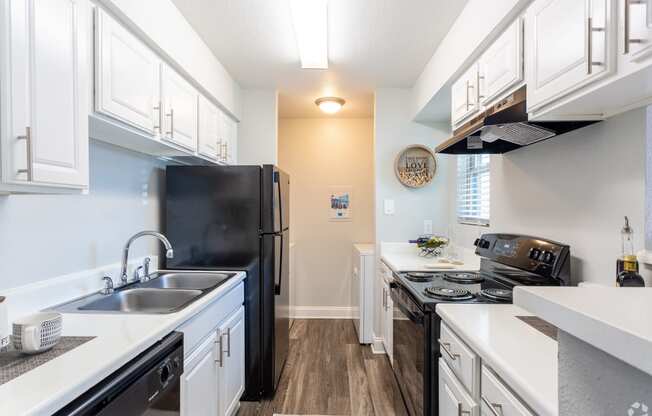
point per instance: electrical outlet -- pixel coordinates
(427, 226)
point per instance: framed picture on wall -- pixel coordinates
(340, 200)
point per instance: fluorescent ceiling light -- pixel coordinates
(310, 21)
(330, 105)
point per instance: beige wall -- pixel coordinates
(319, 153)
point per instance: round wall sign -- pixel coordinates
(415, 166)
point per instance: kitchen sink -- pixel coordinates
(141, 300)
(186, 280)
(166, 291)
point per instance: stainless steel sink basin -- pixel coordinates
(167, 291)
(143, 300)
(186, 280)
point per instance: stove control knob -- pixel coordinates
(548, 257)
(534, 253)
(476, 242)
(485, 243)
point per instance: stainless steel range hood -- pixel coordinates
(504, 127)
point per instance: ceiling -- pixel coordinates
(372, 43)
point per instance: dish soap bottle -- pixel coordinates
(627, 265)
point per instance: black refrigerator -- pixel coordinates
(237, 218)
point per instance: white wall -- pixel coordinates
(393, 131)
(319, 153)
(258, 129)
(45, 236)
(165, 28)
(573, 188)
(475, 28)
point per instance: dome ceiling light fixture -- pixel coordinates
(330, 105)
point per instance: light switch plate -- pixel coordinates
(389, 207)
(427, 226)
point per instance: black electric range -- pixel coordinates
(507, 260)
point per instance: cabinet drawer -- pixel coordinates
(196, 328)
(464, 362)
(453, 399)
(497, 399)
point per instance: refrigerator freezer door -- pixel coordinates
(276, 200)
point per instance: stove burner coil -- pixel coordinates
(419, 277)
(446, 293)
(501, 295)
(464, 278)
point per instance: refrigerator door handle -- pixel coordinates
(278, 263)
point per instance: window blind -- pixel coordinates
(473, 189)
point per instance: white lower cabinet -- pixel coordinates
(453, 399)
(199, 392)
(467, 387)
(213, 378)
(388, 312)
(230, 381)
(497, 400)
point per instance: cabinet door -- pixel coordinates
(180, 110)
(128, 76)
(232, 143)
(209, 121)
(388, 314)
(501, 66)
(199, 392)
(453, 400)
(48, 92)
(569, 45)
(231, 373)
(464, 96)
(637, 22)
(497, 398)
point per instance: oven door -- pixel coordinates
(411, 329)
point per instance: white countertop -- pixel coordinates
(522, 356)
(403, 257)
(615, 320)
(365, 249)
(120, 338)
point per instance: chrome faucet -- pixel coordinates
(169, 253)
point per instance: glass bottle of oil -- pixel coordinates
(627, 265)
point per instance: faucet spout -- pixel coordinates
(169, 252)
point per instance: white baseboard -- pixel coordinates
(322, 312)
(377, 346)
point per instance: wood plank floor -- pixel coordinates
(329, 373)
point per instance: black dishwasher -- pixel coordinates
(149, 385)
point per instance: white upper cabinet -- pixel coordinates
(464, 96)
(209, 129)
(569, 45)
(179, 110)
(45, 91)
(637, 29)
(501, 66)
(128, 76)
(228, 142)
(231, 372)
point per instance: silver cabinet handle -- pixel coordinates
(591, 30)
(385, 298)
(628, 39)
(30, 153)
(218, 343)
(480, 78)
(461, 411)
(468, 104)
(493, 406)
(171, 115)
(228, 342)
(446, 347)
(159, 108)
